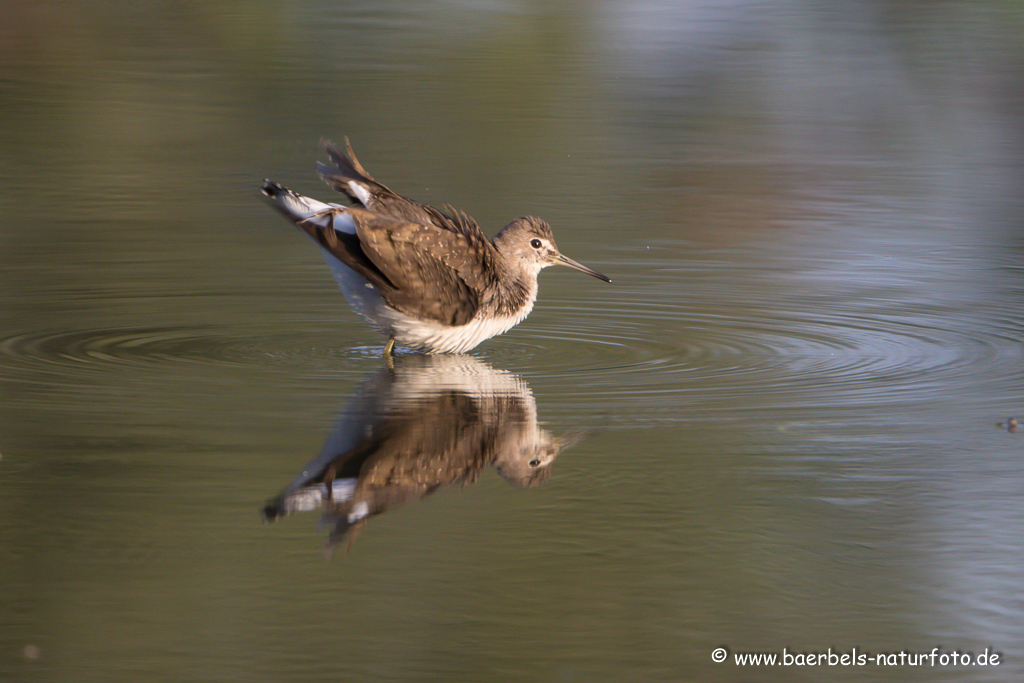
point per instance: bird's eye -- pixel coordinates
(536, 461)
(535, 243)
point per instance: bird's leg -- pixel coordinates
(389, 347)
(329, 481)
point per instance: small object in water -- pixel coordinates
(1010, 425)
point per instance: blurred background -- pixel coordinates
(796, 390)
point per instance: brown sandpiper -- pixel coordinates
(426, 278)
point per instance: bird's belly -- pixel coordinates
(427, 336)
(363, 297)
(434, 337)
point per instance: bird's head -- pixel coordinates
(528, 243)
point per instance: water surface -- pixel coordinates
(777, 427)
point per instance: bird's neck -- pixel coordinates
(515, 295)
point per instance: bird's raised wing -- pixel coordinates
(420, 269)
(347, 175)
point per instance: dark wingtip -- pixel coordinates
(271, 189)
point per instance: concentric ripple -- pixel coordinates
(784, 347)
(666, 341)
(59, 352)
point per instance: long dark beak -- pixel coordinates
(576, 265)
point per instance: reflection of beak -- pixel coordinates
(575, 265)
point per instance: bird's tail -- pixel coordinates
(292, 204)
(317, 219)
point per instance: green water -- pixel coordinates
(778, 422)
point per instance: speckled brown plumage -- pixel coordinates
(433, 266)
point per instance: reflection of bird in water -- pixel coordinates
(429, 422)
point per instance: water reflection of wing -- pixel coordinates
(430, 422)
